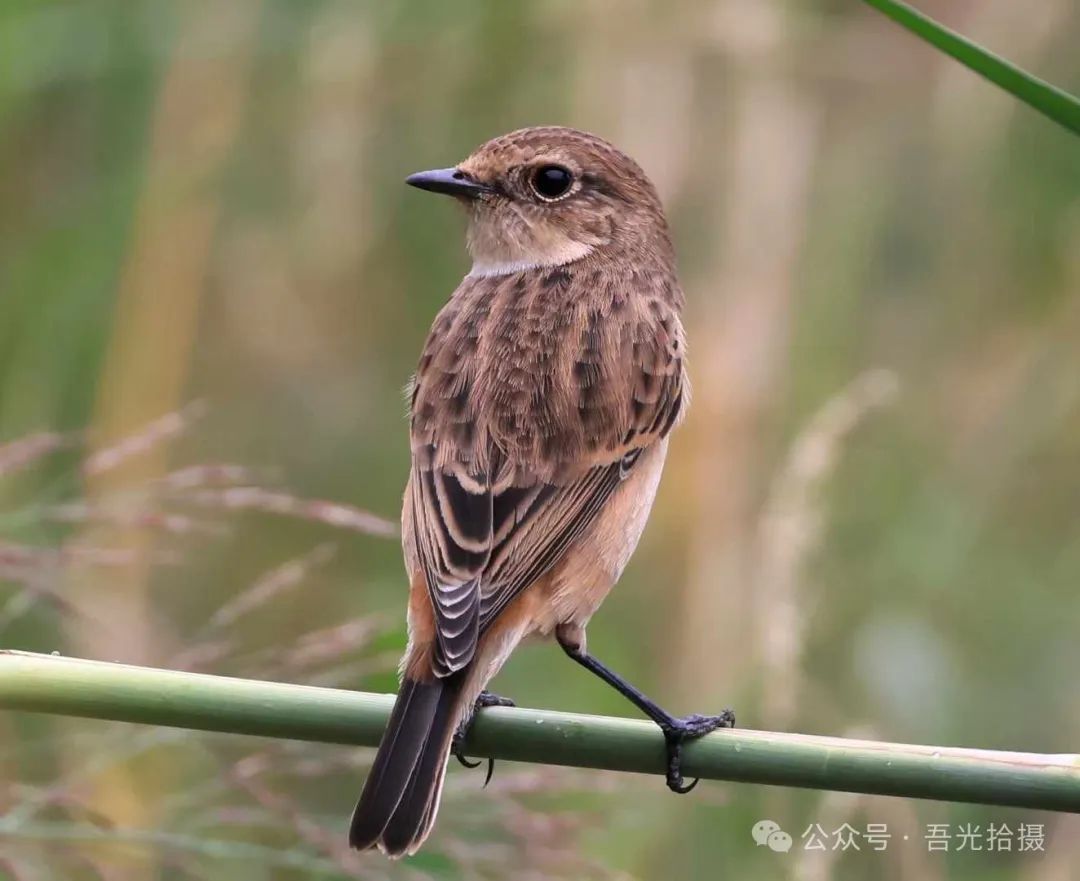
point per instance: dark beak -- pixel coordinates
(449, 181)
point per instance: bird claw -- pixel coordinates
(487, 699)
(460, 756)
(678, 731)
(457, 748)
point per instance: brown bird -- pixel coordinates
(539, 422)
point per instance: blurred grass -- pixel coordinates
(844, 199)
(1049, 100)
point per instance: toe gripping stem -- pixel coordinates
(677, 732)
(486, 699)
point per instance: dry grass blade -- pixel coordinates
(214, 474)
(15, 871)
(332, 643)
(34, 589)
(253, 498)
(157, 432)
(25, 451)
(274, 583)
(84, 512)
(37, 569)
(248, 774)
(90, 555)
(790, 529)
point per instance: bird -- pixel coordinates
(539, 419)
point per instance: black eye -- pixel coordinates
(551, 181)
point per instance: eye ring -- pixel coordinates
(551, 182)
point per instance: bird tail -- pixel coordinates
(401, 795)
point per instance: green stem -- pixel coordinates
(50, 684)
(1049, 100)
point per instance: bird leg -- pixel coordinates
(675, 730)
(486, 699)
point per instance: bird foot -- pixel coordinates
(457, 747)
(487, 699)
(677, 732)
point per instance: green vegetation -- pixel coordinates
(868, 525)
(1058, 105)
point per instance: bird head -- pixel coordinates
(551, 196)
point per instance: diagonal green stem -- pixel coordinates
(50, 684)
(1049, 100)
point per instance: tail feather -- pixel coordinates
(400, 797)
(415, 813)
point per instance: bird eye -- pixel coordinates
(551, 181)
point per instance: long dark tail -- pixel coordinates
(401, 795)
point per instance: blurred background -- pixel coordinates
(214, 286)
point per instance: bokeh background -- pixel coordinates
(213, 287)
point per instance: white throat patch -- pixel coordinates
(489, 268)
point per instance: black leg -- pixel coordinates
(486, 699)
(676, 731)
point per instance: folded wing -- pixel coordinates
(495, 502)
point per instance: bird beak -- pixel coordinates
(449, 181)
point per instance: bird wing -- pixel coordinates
(502, 484)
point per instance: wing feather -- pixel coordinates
(522, 428)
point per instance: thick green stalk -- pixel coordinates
(51, 684)
(1049, 100)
